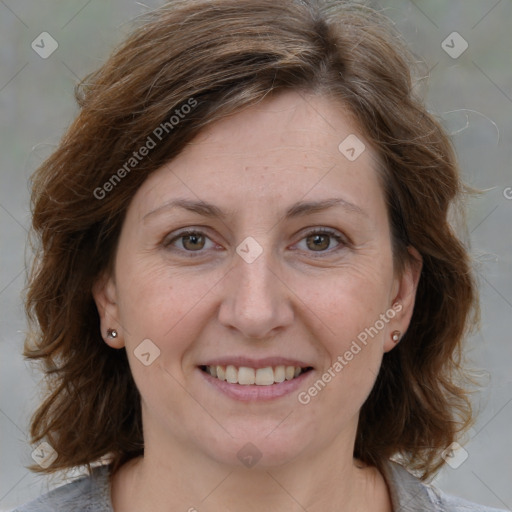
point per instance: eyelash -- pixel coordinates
(324, 231)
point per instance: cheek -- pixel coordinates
(352, 299)
(162, 304)
(352, 345)
(353, 312)
(159, 305)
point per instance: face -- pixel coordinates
(291, 302)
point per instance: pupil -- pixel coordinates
(318, 241)
(193, 238)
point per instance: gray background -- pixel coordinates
(471, 94)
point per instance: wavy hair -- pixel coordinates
(226, 55)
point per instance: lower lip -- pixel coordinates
(253, 392)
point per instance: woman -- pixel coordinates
(248, 295)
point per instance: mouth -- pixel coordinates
(247, 376)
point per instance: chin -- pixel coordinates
(255, 447)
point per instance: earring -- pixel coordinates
(111, 333)
(395, 336)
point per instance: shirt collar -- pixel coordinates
(408, 493)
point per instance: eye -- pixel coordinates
(320, 240)
(190, 240)
(194, 241)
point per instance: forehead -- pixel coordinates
(286, 148)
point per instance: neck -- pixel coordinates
(177, 478)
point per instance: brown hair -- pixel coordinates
(219, 56)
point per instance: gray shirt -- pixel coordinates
(408, 494)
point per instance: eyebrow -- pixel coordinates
(299, 209)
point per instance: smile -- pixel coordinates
(247, 376)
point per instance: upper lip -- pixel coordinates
(265, 362)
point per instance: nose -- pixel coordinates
(256, 300)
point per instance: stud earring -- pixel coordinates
(111, 333)
(395, 336)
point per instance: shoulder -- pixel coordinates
(409, 494)
(86, 494)
(451, 503)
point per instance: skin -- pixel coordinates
(295, 300)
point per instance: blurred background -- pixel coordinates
(46, 46)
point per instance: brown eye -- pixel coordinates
(193, 241)
(187, 242)
(320, 241)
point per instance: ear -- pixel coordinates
(104, 293)
(404, 296)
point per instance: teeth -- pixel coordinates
(279, 374)
(246, 375)
(221, 373)
(264, 376)
(249, 376)
(231, 374)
